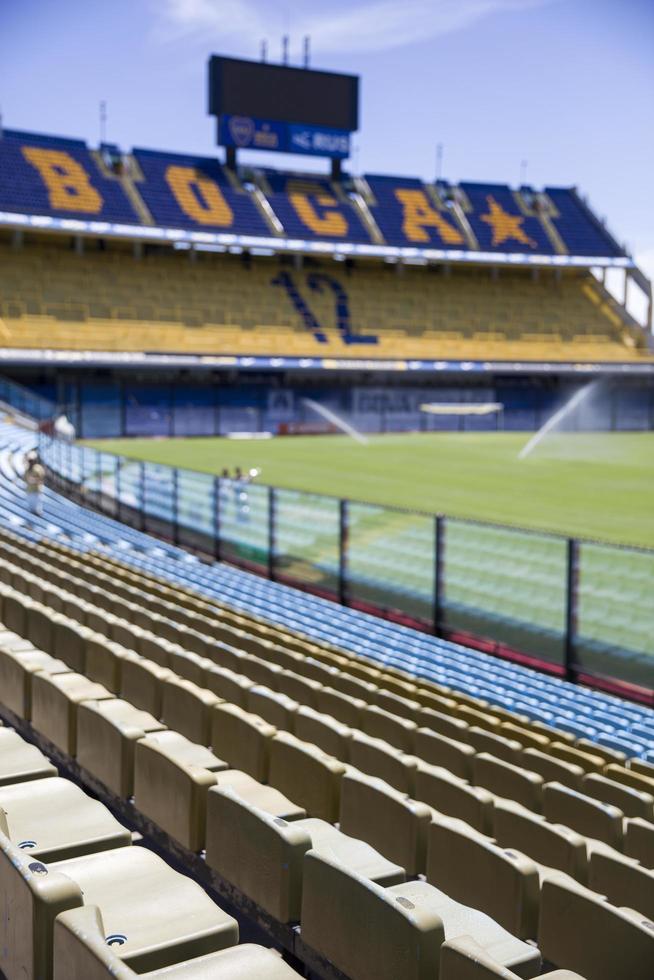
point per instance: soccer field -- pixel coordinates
(598, 485)
(509, 585)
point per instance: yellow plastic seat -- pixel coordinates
(19, 761)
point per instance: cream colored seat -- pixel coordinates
(509, 781)
(188, 709)
(501, 882)
(55, 699)
(330, 735)
(464, 959)
(152, 915)
(107, 732)
(81, 951)
(454, 797)
(587, 816)
(376, 757)
(262, 855)
(639, 840)
(622, 880)
(307, 775)
(549, 844)
(580, 930)
(374, 933)
(19, 761)
(437, 749)
(391, 821)
(53, 819)
(17, 668)
(242, 738)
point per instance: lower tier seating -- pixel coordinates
(52, 298)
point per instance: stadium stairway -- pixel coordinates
(245, 740)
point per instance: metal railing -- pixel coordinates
(579, 609)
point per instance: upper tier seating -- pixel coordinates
(407, 215)
(498, 223)
(62, 178)
(49, 175)
(194, 192)
(312, 208)
(51, 298)
(578, 226)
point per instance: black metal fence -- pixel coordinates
(580, 609)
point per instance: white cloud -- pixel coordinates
(375, 25)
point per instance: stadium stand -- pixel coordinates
(496, 219)
(51, 298)
(59, 177)
(308, 206)
(194, 192)
(509, 890)
(49, 175)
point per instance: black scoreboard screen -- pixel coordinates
(259, 90)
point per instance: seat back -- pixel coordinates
(307, 775)
(454, 797)
(581, 930)
(262, 855)
(365, 930)
(503, 883)
(243, 739)
(583, 814)
(389, 820)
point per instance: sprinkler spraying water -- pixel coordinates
(555, 420)
(336, 420)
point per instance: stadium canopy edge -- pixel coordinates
(218, 242)
(86, 358)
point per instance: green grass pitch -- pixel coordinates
(599, 486)
(591, 486)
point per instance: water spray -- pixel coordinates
(572, 403)
(336, 420)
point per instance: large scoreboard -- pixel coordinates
(277, 107)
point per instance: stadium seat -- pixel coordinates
(587, 934)
(633, 802)
(17, 668)
(501, 882)
(51, 819)
(20, 761)
(389, 820)
(439, 750)
(324, 731)
(307, 775)
(171, 779)
(55, 698)
(454, 797)
(107, 732)
(587, 816)
(376, 757)
(369, 932)
(553, 769)
(507, 780)
(549, 844)
(263, 855)
(243, 738)
(188, 709)
(80, 950)
(182, 923)
(639, 840)
(624, 882)
(464, 958)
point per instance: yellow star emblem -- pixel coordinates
(505, 225)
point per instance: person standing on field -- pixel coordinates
(34, 477)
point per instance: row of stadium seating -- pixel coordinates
(47, 175)
(52, 298)
(608, 721)
(316, 731)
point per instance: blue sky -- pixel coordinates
(567, 85)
